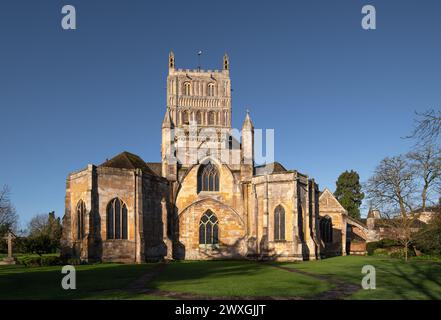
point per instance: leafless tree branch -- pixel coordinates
(8, 215)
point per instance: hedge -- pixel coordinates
(39, 261)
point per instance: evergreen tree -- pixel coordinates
(348, 192)
(44, 233)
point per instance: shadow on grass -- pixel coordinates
(235, 278)
(18, 282)
(423, 281)
(395, 279)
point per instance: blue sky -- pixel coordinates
(337, 96)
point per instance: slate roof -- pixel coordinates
(127, 160)
(156, 167)
(274, 167)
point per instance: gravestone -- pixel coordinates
(9, 259)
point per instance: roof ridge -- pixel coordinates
(128, 160)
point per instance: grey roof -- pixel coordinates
(274, 167)
(127, 160)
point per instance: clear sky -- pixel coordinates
(337, 96)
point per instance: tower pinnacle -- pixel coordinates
(171, 60)
(248, 124)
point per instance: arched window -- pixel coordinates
(185, 117)
(209, 229)
(211, 89)
(326, 229)
(198, 117)
(208, 178)
(279, 223)
(211, 118)
(187, 88)
(81, 215)
(116, 219)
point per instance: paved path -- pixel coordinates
(341, 288)
(140, 284)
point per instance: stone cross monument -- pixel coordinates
(10, 259)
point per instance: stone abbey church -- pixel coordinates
(206, 199)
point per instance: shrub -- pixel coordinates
(38, 261)
(400, 254)
(380, 252)
(29, 261)
(51, 261)
(428, 239)
(74, 261)
(382, 244)
(387, 243)
(371, 247)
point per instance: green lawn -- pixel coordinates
(396, 279)
(18, 282)
(236, 278)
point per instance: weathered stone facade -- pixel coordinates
(349, 235)
(139, 189)
(206, 199)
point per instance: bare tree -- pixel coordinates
(426, 164)
(38, 224)
(8, 215)
(427, 126)
(392, 189)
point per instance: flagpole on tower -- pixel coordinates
(199, 60)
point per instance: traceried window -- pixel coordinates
(116, 219)
(326, 229)
(208, 178)
(279, 223)
(209, 229)
(199, 117)
(81, 216)
(187, 88)
(211, 89)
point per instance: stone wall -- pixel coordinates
(329, 206)
(271, 191)
(97, 186)
(226, 204)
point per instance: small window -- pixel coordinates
(211, 120)
(211, 89)
(187, 88)
(185, 117)
(279, 223)
(81, 215)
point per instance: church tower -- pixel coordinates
(196, 99)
